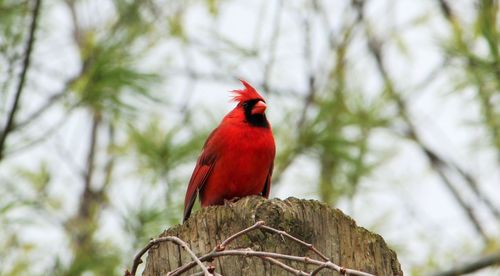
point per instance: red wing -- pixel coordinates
(204, 167)
(267, 185)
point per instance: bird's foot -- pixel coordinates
(231, 201)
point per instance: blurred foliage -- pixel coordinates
(13, 21)
(39, 178)
(129, 134)
(480, 70)
(108, 73)
(158, 150)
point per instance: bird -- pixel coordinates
(237, 158)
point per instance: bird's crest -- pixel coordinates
(246, 94)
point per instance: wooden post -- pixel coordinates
(328, 230)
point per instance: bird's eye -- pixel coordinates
(245, 104)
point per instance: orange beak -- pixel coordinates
(259, 108)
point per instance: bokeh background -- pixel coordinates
(386, 109)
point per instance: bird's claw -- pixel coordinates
(231, 201)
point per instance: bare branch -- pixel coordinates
(22, 78)
(249, 252)
(308, 245)
(219, 251)
(203, 273)
(49, 132)
(225, 78)
(438, 164)
(318, 269)
(273, 42)
(138, 260)
(88, 194)
(445, 9)
(44, 107)
(285, 267)
(485, 103)
(269, 256)
(259, 224)
(475, 265)
(311, 77)
(223, 245)
(77, 31)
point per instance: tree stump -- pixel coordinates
(329, 230)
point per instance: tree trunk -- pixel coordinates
(329, 230)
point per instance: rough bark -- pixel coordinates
(329, 230)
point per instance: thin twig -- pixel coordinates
(474, 186)
(22, 78)
(54, 98)
(308, 245)
(191, 253)
(223, 245)
(439, 166)
(202, 273)
(249, 252)
(151, 243)
(224, 78)
(269, 256)
(219, 251)
(318, 269)
(47, 133)
(286, 267)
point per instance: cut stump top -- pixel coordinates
(333, 233)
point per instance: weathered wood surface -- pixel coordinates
(329, 230)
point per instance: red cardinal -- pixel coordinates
(238, 156)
